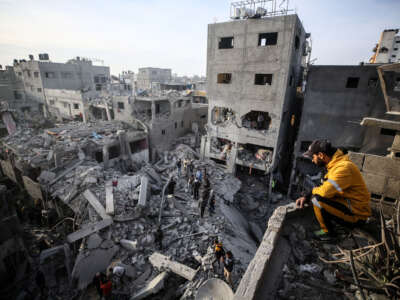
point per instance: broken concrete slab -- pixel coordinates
(95, 204)
(109, 198)
(94, 241)
(144, 191)
(92, 228)
(152, 287)
(88, 263)
(163, 262)
(129, 245)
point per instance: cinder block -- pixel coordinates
(393, 188)
(381, 165)
(374, 182)
(357, 159)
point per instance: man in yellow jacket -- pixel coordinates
(343, 196)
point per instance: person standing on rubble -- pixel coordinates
(106, 288)
(218, 251)
(190, 185)
(204, 196)
(343, 197)
(190, 168)
(178, 166)
(211, 203)
(196, 188)
(228, 267)
(97, 281)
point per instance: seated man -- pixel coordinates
(343, 196)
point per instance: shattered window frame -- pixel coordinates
(263, 79)
(352, 82)
(121, 105)
(226, 42)
(267, 39)
(224, 78)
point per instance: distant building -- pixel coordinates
(12, 92)
(253, 69)
(147, 76)
(76, 74)
(388, 48)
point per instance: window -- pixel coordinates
(398, 42)
(28, 73)
(65, 104)
(296, 42)
(50, 75)
(352, 82)
(373, 82)
(99, 156)
(176, 125)
(395, 49)
(390, 132)
(76, 106)
(182, 123)
(203, 116)
(224, 78)
(103, 79)
(291, 80)
(114, 152)
(121, 105)
(225, 43)
(96, 79)
(51, 102)
(39, 90)
(263, 79)
(98, 87)
(138, 146)
(36, 74)
(19, 74)
(17, 95)
(267, 39)
(163, 132)
(393, 55)
(66, 75)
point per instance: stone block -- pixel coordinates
(357, 159)
(163, 262)
(375, 183)
(381, 165)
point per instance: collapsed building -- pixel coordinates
(254, 67)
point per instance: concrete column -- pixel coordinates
(153, 110)
(105, 156)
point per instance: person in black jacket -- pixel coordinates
(228, 267)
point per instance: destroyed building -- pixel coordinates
(76, 74)
(387, 50)
(147, 76)
(253, 68)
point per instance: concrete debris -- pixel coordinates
(91, 228)
(96, 204)
(163, 262)
(129, 245)
(153, 287)
(109, 198)
(215, 289)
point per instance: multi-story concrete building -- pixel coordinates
(388, 48)
(76, 74)
(253, 69)
(12, 92)
(147, 76)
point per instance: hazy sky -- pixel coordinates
(128, 34)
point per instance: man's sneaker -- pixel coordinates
(323, 236)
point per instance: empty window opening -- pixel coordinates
(163, 132)
(121, 105)
(226, 43)
(224, 78)
(291, 80)
(263, 79)
(258, 120)
(373, 82)
(267, 39)
(138, 146)
(376, 196)
(25, 109)
(397, 154)
(76, 106)
(50, 75)
(98, 87)
(157, 108)
(51, 102)
(176, 125)
(352, 82)
(393, 55)
(163, 109)
(222, 116)
(304, 145)
(99, 156)
(36, 74)
(385, 131)
(203, 116)
(296, 42)
(389, 199)
(39, 90)
(221, 148)
(114, 152)
(17, 95)
(251, 154)
(395, 49)
(182, 123)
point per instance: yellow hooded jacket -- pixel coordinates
(344, 183)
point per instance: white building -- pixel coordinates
(388, 48)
